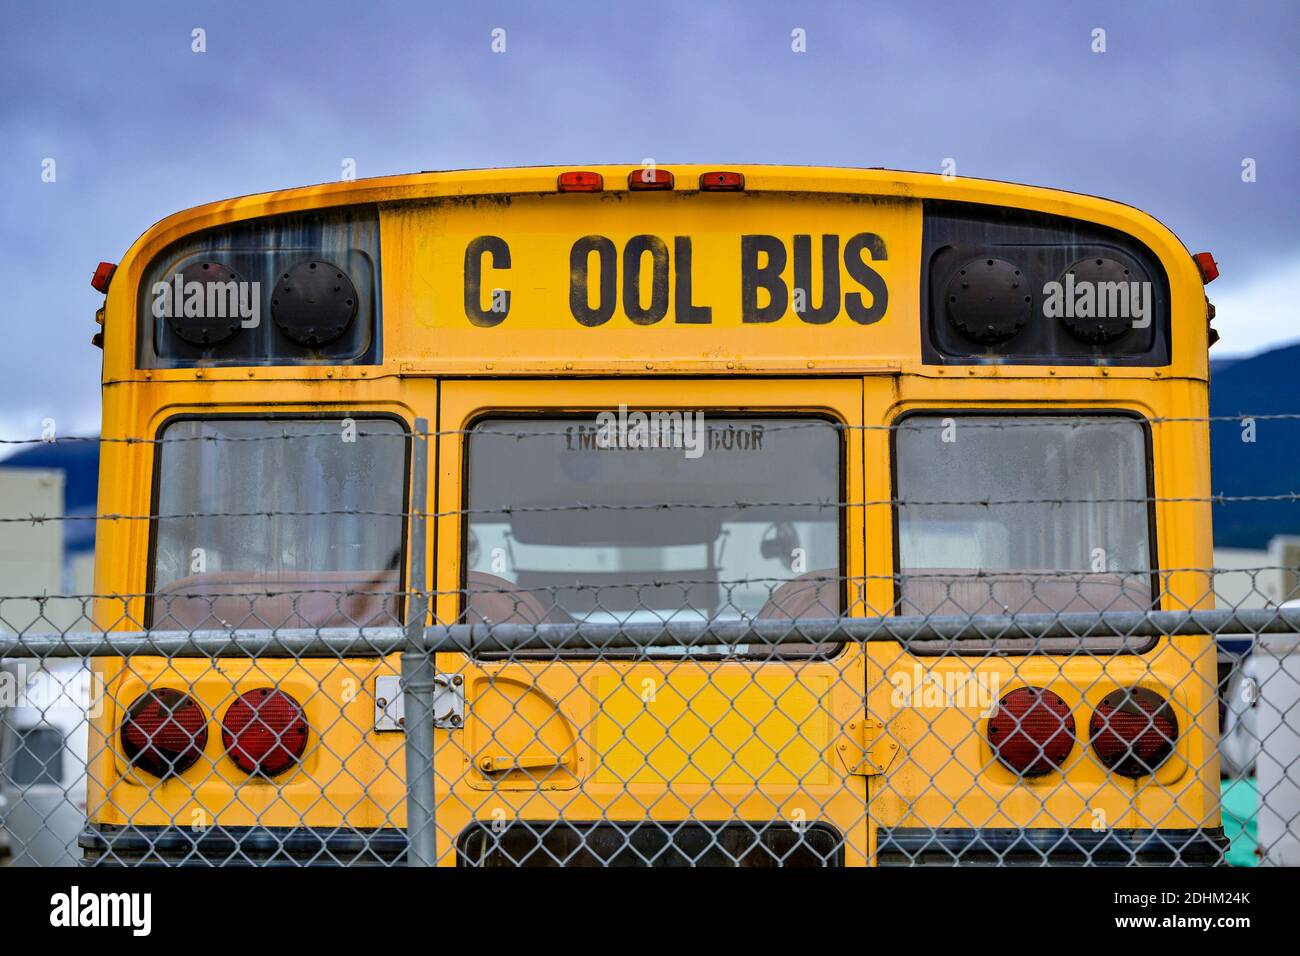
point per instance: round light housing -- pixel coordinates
(989, 300)
(164, 732)
(1133, 731)
(314, 303)
(1032, 731)
(264, 732)
(211, 328)
(1108, 282)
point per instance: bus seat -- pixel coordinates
(964, 591)
(812, 595)
(226, 599)
(494, 600)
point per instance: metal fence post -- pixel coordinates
(417, 670)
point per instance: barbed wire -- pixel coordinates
(1014, 418)
(739, 506)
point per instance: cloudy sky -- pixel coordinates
(140, 126)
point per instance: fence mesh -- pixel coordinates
(643, 662)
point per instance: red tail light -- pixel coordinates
(165, 732)
(1133, 731)
(650, 177)
(580, 181)
(722, 181)
(1032, 731)
(264, 731)
(103, 276)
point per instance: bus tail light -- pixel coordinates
(165, 732)
(650, 177)
(264, 732)
(1032, 731)
(722, 181)
(1133, 731)
(580, 181)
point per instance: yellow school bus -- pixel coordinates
(684, 395)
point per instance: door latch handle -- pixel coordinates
(502, 763)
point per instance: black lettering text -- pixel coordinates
(636, 247)
(500, 252)
(753, 277)
(579, 259)
(868, 277)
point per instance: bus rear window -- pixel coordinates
(1018, 513)
(686, 518)
(279, 523)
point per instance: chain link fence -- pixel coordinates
(631, 667)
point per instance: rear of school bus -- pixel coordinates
(702, 396)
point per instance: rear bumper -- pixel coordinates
(924, 846)
(241, 846)
(552, 842)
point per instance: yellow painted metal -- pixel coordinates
(426, 220)
(437, 365)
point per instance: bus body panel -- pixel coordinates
(540, 361)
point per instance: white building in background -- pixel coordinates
(43, 740)
(1257, 579)
(31, 556)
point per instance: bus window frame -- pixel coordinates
(587, 416)
(357, 415)
(986, 648)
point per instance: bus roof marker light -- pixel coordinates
(580, 181)
(649, 178)
(103, 276)
(721, 181)
(1205, 262)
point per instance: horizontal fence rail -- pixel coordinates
(505, 638)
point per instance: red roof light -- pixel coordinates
(580, 181)
(722, 181)
(1209, 268)
(650, 177)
